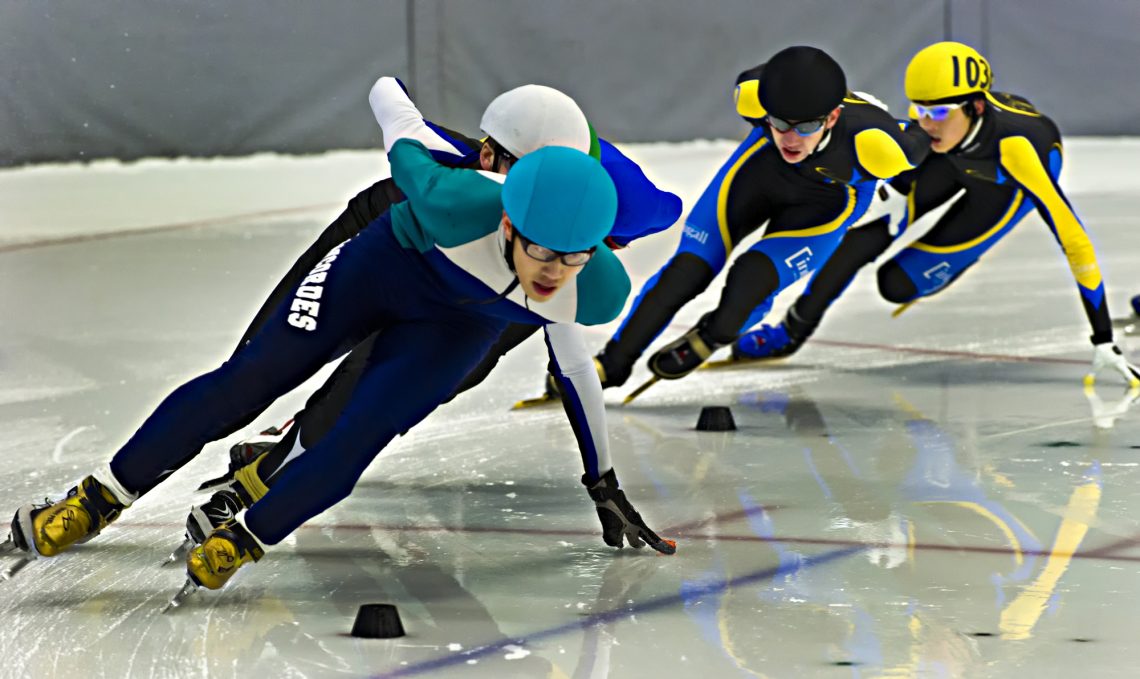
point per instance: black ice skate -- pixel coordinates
(682, 356)
(549, 395)
(678, 358)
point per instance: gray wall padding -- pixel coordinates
(1076, 61)
(81, 80)
(132, 78)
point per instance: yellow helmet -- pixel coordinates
(947, 70)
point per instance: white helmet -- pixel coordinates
(532, 116)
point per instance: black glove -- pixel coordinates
(619, 518)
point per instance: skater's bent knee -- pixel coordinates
(895, 284)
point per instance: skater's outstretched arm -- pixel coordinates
(581, 391)
(1023, 161)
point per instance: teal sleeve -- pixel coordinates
(448, 206)
(603, 287)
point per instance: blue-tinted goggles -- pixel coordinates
(804, 129)
(937, 112)
(545, 254)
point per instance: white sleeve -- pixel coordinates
(582, 394)
(872, 99)
(399, 118)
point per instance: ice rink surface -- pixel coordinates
(932, 495)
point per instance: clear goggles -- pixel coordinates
(545, 254)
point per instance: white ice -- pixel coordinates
(930, 495)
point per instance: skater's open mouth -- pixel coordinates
(544, 290)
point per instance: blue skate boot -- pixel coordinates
(774, 341)
(766, 342)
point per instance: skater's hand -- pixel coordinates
(1107, 356)
(619, 518)
(887, 203)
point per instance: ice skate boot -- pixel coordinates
(549, 395)
(611, 371)
(244, 452)
(212, 563)
(222, 506)
(49, 529)
(766, 342)
(684, 355)
(241, 489)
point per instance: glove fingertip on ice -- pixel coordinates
(665, 547)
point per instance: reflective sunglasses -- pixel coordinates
(545, 254)
(938, 112)
(804, 129)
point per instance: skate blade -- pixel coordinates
(740, 362)
(9, 548)
(178, 599)
(533, 402)
(725, 362)
(903, 307)
(640, 390)
(179, 553)
(215, 484)
(16, 568)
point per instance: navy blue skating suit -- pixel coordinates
(433, 278)
(643, 209)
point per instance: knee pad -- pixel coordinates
(895, 284)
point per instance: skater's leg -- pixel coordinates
(278, 359)
(287, 350)
(800, 237)
(514, 335)
(734, 204)
(929, 187)
(393, 394)
(973, 225)
(361, 210)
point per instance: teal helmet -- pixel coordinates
(560, 198)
